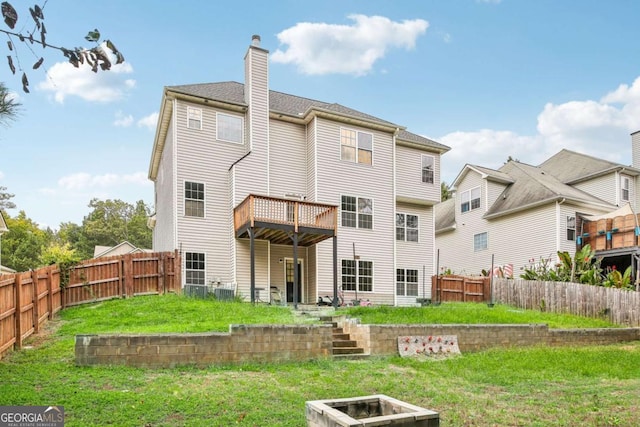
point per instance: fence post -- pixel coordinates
(128, 275)
(35, 301)
(177, 272)
(50, 290)
(160, 281)
(18, 320)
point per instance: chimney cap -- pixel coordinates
(255, 40)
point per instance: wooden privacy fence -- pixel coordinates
(29, 299)
(460, 288)
(616, 305)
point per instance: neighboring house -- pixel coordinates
(120, 249)
(520, 214)
(3, 229)
(253, 185)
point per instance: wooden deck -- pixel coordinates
(275, 219)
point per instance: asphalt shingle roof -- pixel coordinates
(292, 105)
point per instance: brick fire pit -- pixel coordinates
(374, 410)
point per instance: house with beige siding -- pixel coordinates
(521, 214)
(283, 195)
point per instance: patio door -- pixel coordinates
(288, 274)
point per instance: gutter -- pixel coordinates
(540, 203)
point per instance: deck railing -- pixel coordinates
(285, 211)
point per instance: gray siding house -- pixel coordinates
(284, 195)
(521, 214)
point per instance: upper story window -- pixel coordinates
(407, 227)
(229, 128)
(571, 228)
(470, 200)
(428, 169)
(356, 146)
(356, 212)
(624, 185)
(479, 242)
(194, 118)
(194, 199)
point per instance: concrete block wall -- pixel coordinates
(383, 339)
(244, 343)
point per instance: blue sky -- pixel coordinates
(490, 78)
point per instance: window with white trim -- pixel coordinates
(470, 200)
(194, 268)
(407, 227)
(356, 146)
(428, 168)
(571, 228)
(194, 118)
(625, 183)
(406, 282)
(229, 128)
(357, 273)
(479, 242)
(356, 212)
(194, 199)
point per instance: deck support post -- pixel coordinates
(335, 271)
(296, 270)
(252, 262)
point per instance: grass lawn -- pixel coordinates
(572, 386)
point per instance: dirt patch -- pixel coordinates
(45, 334)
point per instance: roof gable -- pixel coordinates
(570, 167)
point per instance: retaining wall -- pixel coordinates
(383, 339)
(244, 343)
(279, 343)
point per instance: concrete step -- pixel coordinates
(350, 356)
(345, 343)
(337, 330)
(341, 337)
(347, 350)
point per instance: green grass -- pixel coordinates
(471, 313)
(540, 386)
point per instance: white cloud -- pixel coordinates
(597, 128)
(64, 80)
(320, 48)
(149, 121)
(122, 120)
(83, 181)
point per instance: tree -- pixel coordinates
(5, 203)
(109, 223)
(9, 107)
(23, 244)
(96, 57)
(445, 192)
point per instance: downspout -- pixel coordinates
(395, 243)
(232, 196)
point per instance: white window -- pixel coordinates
(470, 200)
(356, 212)
(406, 282)
(407, 227)
(624, 184)
(357, 273)
(571, 228)
(229, 128)
(194, 199)
(428, 166)
(194, 118)
(479, 242)
(356, 146)
(194, 268)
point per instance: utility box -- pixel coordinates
(374, 410)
